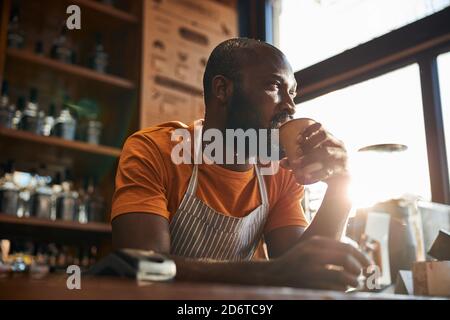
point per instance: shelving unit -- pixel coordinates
(107, 11)
(116, 92)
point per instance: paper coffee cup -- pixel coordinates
(289, 133)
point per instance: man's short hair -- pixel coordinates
(227, 59)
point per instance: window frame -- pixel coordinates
(419, 42)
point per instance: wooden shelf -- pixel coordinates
(68, 232)
(95, 227)
(70, 68)
(62, 143)
(107, 10)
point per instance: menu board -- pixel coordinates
(178, 36)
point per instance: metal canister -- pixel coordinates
(67, 207)
(41, 203)
(93, 131)
(9, 199)
(65, 126)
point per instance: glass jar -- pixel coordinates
(93, 132)
(41, 202)
(67, 203)
(65, 126)
(9, 196)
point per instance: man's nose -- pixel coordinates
(288, 105)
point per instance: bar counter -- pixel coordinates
(54, 287)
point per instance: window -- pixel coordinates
(444, 81)
(386, 109)
(310, 31)
(361, 48)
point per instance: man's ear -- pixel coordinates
(222, 88)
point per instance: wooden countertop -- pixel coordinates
(100, 288)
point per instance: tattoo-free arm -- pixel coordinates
(302, 266)
(151, 232)
(328, 222)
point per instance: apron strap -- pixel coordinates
(198, 130)
(262, 186)
(192, 187)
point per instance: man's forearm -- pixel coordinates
(332, 216)
(242, 272)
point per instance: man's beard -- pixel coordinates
(275, 124)
(243, 114)
(279, 119)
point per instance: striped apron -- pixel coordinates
(198, 231)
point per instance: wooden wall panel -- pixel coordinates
(4, 19)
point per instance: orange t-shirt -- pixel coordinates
(147, 181)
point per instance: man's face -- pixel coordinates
(263, 96)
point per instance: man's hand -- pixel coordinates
(323, 156)
(319, 263)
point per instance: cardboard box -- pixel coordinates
(432, 278)
(440, 249)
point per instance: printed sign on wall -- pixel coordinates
(178, 36)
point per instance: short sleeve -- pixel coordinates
(141, 179)
(287, 210)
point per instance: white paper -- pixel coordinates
(377, 227)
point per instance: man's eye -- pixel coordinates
(274, 86)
